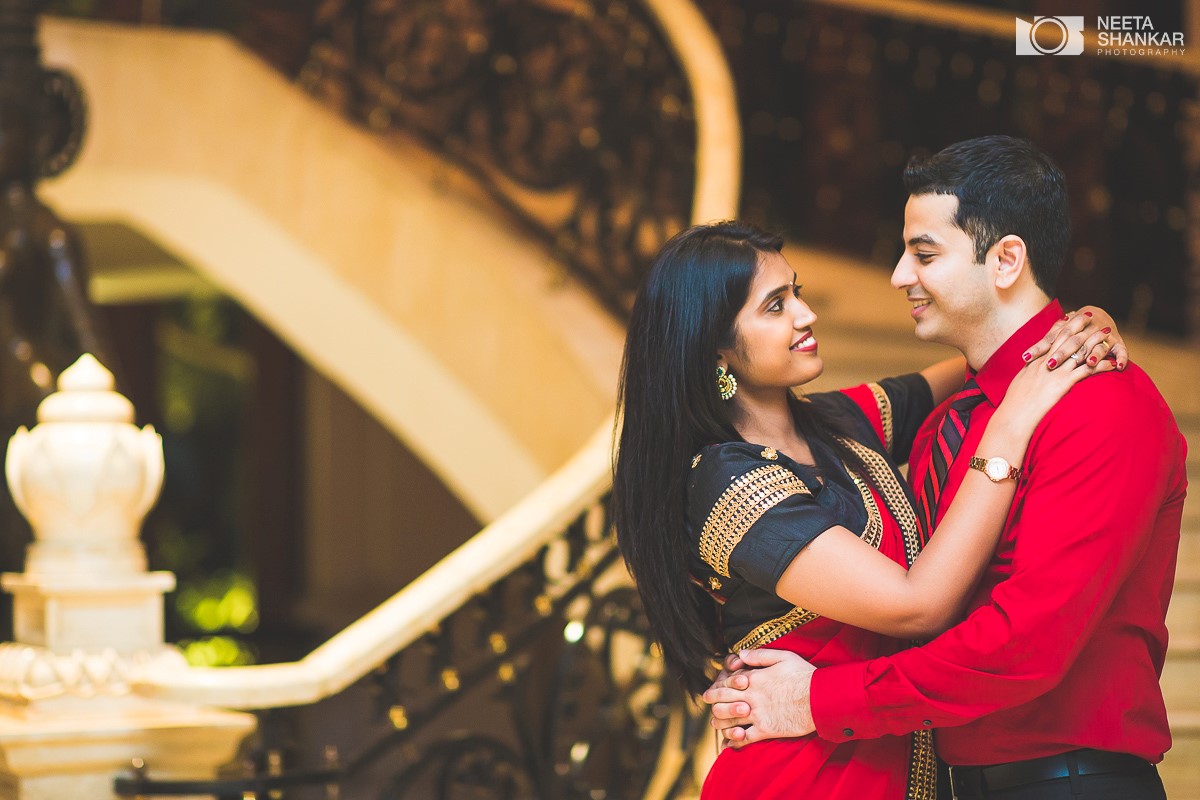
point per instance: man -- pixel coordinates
(1049, 687)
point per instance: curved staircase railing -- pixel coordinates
(533, 523)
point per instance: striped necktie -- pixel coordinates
(945, 448)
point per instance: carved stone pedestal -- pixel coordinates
(63, 614)
(56, 755)
(88, 616)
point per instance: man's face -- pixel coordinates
(949, 290)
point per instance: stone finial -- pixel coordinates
(85, 477)
(86, 394)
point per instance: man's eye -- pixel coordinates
(924, 257)
(796, 290)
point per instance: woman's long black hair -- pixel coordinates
(670, 408)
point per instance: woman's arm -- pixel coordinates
(840, 576)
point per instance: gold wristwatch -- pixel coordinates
(997, 469)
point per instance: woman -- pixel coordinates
(724, 478)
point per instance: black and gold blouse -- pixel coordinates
(751, 509)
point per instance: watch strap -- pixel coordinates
(979, 463)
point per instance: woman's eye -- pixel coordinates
(775, 307)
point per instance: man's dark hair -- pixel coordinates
(1004, 186)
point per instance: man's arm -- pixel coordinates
(1084, 518)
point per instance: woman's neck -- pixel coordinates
(768, 420)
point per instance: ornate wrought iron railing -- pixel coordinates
(836, 95)
(573, 115)
(553, 668)
(581, 117)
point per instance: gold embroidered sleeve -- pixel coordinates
(748, 497)
(885, 413)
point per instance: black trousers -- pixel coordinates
(1144, 785)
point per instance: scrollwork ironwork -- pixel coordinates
(545, 685)
(573, 114)
(478, 766)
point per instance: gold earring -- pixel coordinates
(726, 384)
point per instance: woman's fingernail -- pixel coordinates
(1092, 360)
(1066, 316)
(1026, 357)
(1087, 313)
(1051, 364)
(1106, 330)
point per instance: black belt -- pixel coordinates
(978, 781)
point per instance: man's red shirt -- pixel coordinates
(1065, 637)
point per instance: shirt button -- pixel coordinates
(847, 731)
(927, 723)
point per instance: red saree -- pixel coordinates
(889, 768)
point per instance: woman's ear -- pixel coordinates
(723, 357)
(1009, 259)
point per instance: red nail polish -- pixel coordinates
(1092, 360)
(1026, 357)
(1087, 313)
(1066, 316)
(1051, 364)
(1106, 330)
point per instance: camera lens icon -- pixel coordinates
(1050, 36)
(1053, 22)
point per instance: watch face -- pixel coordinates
(996, 469)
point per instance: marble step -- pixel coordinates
(1180, 768)
(1181, 679)
(1188, 569)
(1183, 616)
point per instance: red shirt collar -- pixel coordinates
(999, 371)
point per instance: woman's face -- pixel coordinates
(774, 346)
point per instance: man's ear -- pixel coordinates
(1009, 260)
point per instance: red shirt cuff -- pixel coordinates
(838, 700)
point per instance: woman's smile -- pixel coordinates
(805, 344)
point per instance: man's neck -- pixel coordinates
(991, 333)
